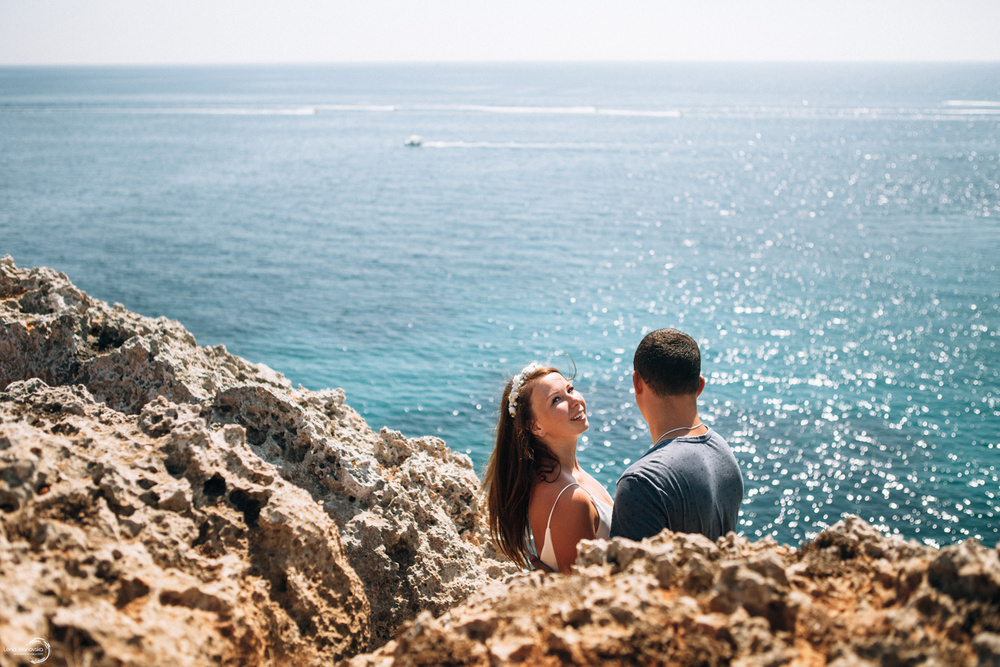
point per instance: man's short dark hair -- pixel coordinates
(669, 362)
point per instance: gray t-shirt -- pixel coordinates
(688, 484)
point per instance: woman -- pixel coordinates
(541, 503)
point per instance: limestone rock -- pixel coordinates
(407, 510)
(163, 503)
(852, 596)
(174, 545)
(51, 330)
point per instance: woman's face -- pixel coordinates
(558, 410)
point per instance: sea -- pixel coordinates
(828, 233)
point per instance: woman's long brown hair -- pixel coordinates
(518, 460)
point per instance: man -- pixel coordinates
(689, 481)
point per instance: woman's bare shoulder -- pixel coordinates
(577, 516)
(545, 493)
(573, 517)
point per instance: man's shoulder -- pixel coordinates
(654, 469)
(722, 446)
(674, 451)
(640, 466)
(714, 436)
(681, 456)
(634, 471)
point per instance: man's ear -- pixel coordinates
(701, 386)
(638, 383)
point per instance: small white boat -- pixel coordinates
(414, 140)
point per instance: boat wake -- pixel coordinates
(536, 145)
(572, 110)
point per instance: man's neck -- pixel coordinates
(672, 416)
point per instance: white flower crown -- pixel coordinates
(515, 386)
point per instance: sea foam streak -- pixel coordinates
(514, 144)
(972, 103)
(983, 111)
(574, 110)
(301, 111)
(207, 111)
(356, 107)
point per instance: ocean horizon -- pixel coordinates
(828, 233)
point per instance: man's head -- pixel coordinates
(669, 363)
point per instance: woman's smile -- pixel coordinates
(559, 411)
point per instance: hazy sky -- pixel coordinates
(281, 31)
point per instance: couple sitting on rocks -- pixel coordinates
(541, 503)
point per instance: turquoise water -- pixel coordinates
(829, 234)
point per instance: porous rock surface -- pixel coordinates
(404, 513)
(164, 503)
(850, 597)
(157, 540)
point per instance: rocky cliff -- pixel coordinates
(163, 503)
(850, 597)
(157, 539)
(159, 499)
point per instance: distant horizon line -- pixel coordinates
(340, 63)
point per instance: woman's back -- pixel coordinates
(564, 511)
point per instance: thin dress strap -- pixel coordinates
(548, 555)
(556, 503)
